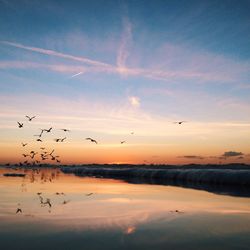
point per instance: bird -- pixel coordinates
(57, 139)
(33, 154)
(53, 158)
(90, 139)
(89, 194)
(40, 135)
(24, 144)
(47, 130)
(63, 139)
(65, 202)
(39, 193)
(20, 125)
(39, 140)
(48, 202)
(30, 118)
(52, 152)
(180, 122)
(19, 210)
(123, 142)
(65, 130)
(24, 155)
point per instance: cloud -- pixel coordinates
(123, 52)
(58, 54)
(164, 73)
(240, 157)
(192, 157)
(232, 154)
(134, 101)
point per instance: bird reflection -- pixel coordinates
(19, 210)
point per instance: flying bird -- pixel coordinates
(65, 130)
(30, 118)
(180, 122)
(62, 140)
(40, 135)
(20, 125)
(52, 152)
(123, 142)
(39, 140)
(90, 139)
(47, 130)
(24, 144)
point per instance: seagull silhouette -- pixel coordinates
(57, 139)
(20, 125)
(52, 152)
(24, 144)
(30, 118)
(47, 130)
(62, 140)
(90, 139)
(39, 140)
(40, 135)
(180, 122)
(123, 142)
(65, 130)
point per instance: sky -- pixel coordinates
(126, 71)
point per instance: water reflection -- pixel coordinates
(60, 209)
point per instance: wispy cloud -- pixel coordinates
(123, 51)
(201, 71)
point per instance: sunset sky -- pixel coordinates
(105, 69)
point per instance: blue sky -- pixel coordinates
(128, 62)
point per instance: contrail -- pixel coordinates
(77, 74)
(58, 54)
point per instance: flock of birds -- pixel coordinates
(44, 154)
